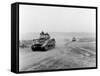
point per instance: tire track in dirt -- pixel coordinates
(80, 50)
(50, 64)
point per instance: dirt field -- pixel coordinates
(65, 55)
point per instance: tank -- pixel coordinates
(43, 43)
(73, 39)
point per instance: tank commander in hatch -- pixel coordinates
(45, 36)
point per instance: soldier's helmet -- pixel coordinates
(42, 33)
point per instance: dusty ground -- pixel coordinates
(65, 55)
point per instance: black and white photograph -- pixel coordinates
(53, 38)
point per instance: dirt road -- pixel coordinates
(65, 55)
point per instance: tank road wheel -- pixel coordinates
(46, 48)
(33, 49)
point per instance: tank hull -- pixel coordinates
(50, 44)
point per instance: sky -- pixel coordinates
(56, 19)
